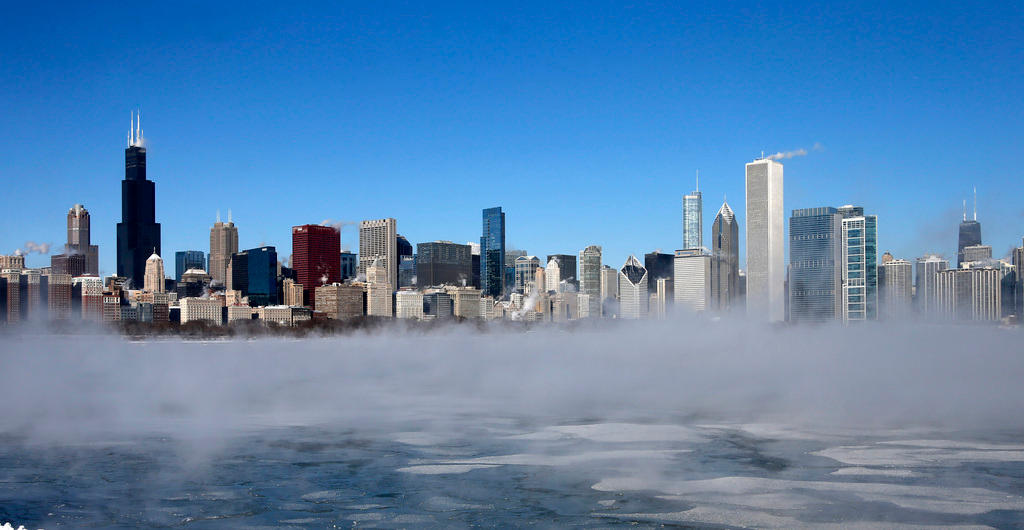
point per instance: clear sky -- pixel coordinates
(586, 123)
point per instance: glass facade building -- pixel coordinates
(443, 263)
(815, 253)
(262, 276)
(138, 233)
(725, 259)
(492, 253)
(693, 213)
(188, 259)
(860, 264)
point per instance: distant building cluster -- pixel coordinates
(834, 273)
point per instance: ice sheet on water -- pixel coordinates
(616, 433)
(867, 471)
(930, 455)
(755, 519)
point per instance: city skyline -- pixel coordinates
(888, 118)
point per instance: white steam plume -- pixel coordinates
(797, 152)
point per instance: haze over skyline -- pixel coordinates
(585, 126)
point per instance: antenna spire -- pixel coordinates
(218, 215)
(229, 215)
(965, 209)
(138, 127)
(698, 181)
(975, 203)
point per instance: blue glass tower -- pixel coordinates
(188, 259)
(492, 253)
(262, 265)
(815, 256)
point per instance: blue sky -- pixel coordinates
(585, 122)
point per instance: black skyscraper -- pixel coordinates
(970, 232)
(138, 233)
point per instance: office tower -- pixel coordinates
(566, 267)
(407, 271)
(292, 292)
(526, 269)
(551, 276)
(973, 253)
(725, 259)
(443, 263)
(223, 243)
(73, 264)
(492, 253)
(691, 279)
(693, 218)
(466, 302)
(590, 280)
(349, 265)
(659, 265)
(15, 261)
(815, 261)
(859, 264)
(437, 305)
(378, 290)
(154, 276)
(970, 232)
(378, 239)
(402, 246)
(896, 283)
(261, 276)
(609, 284)
(969, 294)
(633, 297)
(58, 296)
(138, 233)
(316, 252)
(238, 273)
(80, 239)
(766, 270)
(188, 259)
(409, 304)
(926, 270)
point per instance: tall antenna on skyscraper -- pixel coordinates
(218, 215)
(965, 209)
(698, 180)
(138, 127)
(975, 203)
(229, 215)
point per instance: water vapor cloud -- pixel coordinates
(785, 155)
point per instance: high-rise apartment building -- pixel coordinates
(859, 264)
(1017, 260)
(925, 287)
(223, 243)
(815, 265)
(895, 289)
(154, 277)
(188, 259)
(691, 280)
(693, 219)
(725, 259)
(766, 267)
(80, 239)
(138, 233)
(492, 253)
(378, 290)
(969, 294)
(634, 300)
(443, 263)
(975, 253)
(316, 252)
(378, 240)
(590, 280)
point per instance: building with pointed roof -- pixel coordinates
(634, 301)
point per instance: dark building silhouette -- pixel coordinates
(261, 282)
(316, 258)
(349, 264)
(403, 245)
(725, 259)
(239, 271)
(73, 264)
(492, 252)
(658, 266)
(138, 233)
(970, 235)
(566, 267)
(443, 263)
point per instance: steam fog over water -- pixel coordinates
(706, 424)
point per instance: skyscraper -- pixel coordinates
(693, 218)
(725, 259)
(443, 263)
(223, 243)
(378, 290)
(254, 273)
(349, 265)
(692, 279)
(895, 289)
(378, 239)
(634, 301)
(80, 239)
(138, 233)
(766, 267)
(526, 270)
(973, 253)
(590, 279)
(566, 267)
(969, 294)
(860, 264)
(492, 253)
(815, 272)
(154, 276)
(316, 258)
(1017, 260)
(970, 232)
(659, 265)
(925, 287)
(188, 259)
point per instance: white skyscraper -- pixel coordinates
(378, 239)
(896, 287)
(692, 280)
(634, 301)
(551, 276)
(693, 216)
(766, 266)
